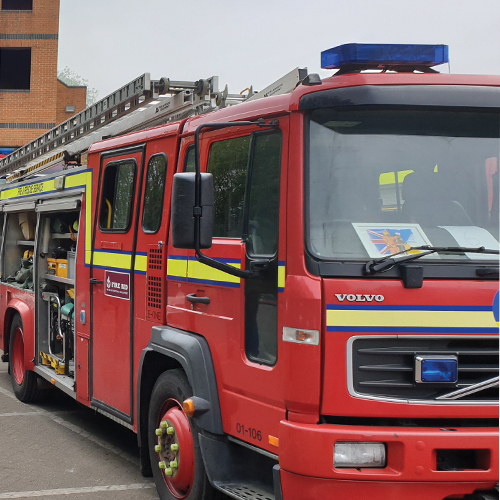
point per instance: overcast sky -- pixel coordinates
(111, 42)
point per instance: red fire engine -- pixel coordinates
(292, 298)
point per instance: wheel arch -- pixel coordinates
(17, 306)
(170, 348)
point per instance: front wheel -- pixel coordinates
(176, 458)
(24, 382)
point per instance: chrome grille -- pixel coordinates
(383, 367)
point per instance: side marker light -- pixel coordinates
(274, 441)
(188, 407)
(299, 336)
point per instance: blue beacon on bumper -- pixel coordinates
(432, 369)
(384, 55)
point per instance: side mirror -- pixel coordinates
(183, 209)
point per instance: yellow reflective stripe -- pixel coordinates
(43, 187)
(88, 216)
(116, 260)
(84, 179)
(438, 319)
(281, 276)
(199, 271)
(141, 263)
(177, 267)
(28, 190)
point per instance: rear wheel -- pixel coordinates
(24, 382)
(176, 458)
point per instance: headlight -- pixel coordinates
(358, 455)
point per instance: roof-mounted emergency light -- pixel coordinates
(359, 56)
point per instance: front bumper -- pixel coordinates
(295, 487)
(306, 461)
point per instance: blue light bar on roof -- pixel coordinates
(383, 55)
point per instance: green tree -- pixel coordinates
(69, 77)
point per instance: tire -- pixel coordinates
(24, 382)
(189, 480)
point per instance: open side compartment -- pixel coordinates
(58, 225)
(19, 246)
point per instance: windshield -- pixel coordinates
(382, 180)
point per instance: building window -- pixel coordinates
(17, 4)
(15, 69)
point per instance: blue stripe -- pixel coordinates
(144, 254)
(281, 263)
(177, 257)
(176, 278)
(119, 252)
(373, 307)
(281, 290)
(140, 272)
(110, 268)
(223, 261)
(216, 283)
(397, 329)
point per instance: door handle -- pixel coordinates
(191, 297)
(94, 281)
(259, 266)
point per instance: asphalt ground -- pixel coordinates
(62, 450)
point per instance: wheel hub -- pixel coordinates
(175, 451)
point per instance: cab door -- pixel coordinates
(112, 282)
(241, 317)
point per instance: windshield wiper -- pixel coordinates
(385, 263)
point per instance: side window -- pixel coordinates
(262, 229)
(154, 193)
(189, 162)
(117, 196)
(228, 163)
(263, 205)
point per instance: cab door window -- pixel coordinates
(263, 198)
(117, 196)
(228, 163)
(262, 229)
(154, 193)
(189, 160)
(246, 173)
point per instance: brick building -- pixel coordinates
(32, 99)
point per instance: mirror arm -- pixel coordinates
(226, 268)
(240, 273)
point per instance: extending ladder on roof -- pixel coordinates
(140, 104)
